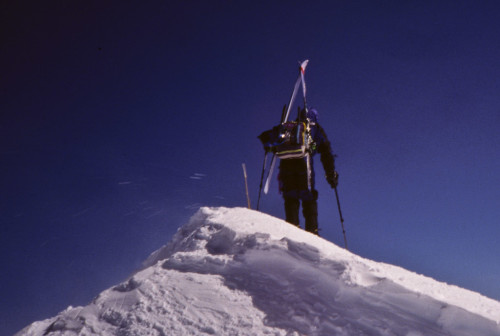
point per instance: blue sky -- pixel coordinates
(119, 120)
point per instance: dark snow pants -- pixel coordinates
(309, 210)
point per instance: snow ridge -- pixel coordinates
(241, 272)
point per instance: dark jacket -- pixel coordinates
(293, 172)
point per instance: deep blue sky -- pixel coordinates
(119, 120)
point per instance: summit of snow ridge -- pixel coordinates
(221, 227)
(240, 272)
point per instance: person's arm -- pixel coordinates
(327, 157)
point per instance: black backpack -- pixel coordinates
(288, 140)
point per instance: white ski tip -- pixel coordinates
(303, 66)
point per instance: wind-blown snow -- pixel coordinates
(241, 272)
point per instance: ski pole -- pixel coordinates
(341, 218)
(262, 178)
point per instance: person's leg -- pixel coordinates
(292, 206)
(310, 212)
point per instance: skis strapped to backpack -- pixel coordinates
(289, 139)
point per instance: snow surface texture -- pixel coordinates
(241, 272)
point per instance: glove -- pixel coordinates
(333, 179)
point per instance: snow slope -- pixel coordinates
(241, 272)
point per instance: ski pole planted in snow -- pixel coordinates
(341, 218)
(246, 183)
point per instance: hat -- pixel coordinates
(313, 115)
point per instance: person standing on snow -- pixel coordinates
(293, 177)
